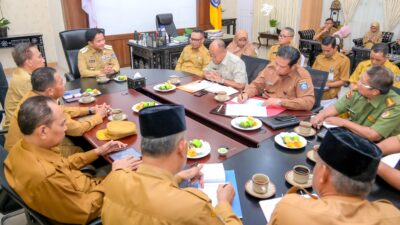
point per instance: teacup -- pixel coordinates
(117, 114)
(301, 174)
(260, 183)
(305, 127)
(173, 79)
(86, 97)
(315, 148)
(222, 95)
(101, 79)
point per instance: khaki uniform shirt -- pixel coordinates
(193, 60)
(19, 85)
(381, 114)
(53, 185)
(331, 31)
(341, 70)
(296, 89)
(91, 62)
(271, 55)
(364, 65)
(231, 68)
(152, 196)
(333, 210)
(74, 127)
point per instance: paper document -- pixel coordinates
(328, 125)
(392, 159)
(213, 172)
(268, 206)
(257, 101)
(195, 86)
(245, 110)
(215, 88)
(250, 101)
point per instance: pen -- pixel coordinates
(241, 94)
(193, 165)
(220, 107)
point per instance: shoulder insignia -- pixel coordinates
(109, 47)
(386, 114)
(84, 50)
(349, 94)
(397, 79)
(390, 102)
(371, 119)
(303, 85)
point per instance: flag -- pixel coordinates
(88, 7)
(216, 14)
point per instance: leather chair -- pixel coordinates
(358, 54)
(166, 20)
(32, 216)
(304, 46)
(319, 79)
(253, 66)
(386, 38)
(3, 92)
(72, 41)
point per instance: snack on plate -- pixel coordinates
(165, 86)
(92, 91)
(192, 152)
(142, 105)
(292, 140)
(249, 122)
(122, 77)
(196, 143)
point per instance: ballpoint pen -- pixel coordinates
(220, 108)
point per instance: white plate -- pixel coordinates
(116, 79)
(203, 151)
(111, 119)
(134, 106)
(158, 89)
(236, 121)
(279, 141)
(91, 100)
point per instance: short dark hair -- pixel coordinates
(290, 53)
(43, 78)
(329, 40)
(91, 33)
(380, 78)
(22, 52)
(329, 19)
(380, 47)
(35, 111)
(198, 31)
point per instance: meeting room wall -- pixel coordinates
(38, 16)
(366, 12)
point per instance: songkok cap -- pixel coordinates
(162, 120)
(350, 154)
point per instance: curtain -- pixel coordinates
(311, 12)
(391, 10)
(285, 11)
(349, 8)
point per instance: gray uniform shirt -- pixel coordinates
(231, 68)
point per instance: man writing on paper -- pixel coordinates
(225, 67)
(47, 182)
(148, 196)
(374, 108)
(194, 57)
(343, 176)
(283, 83)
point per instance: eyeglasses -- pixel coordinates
(284, 36)
(364, 85)
(196, 40)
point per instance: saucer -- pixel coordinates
(221, 100)
(111, 119)
(175, 83)
(311, 155)
(290, 180)
(249, 189)
(312, 132)
(91, 100)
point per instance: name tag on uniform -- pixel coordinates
(105, 57)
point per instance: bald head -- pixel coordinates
(217, 51)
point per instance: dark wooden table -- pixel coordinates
(267, 36)
(126, 99)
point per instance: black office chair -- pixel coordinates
(319, 79)
(3, 92)
(166, 20)
(72, 41)
(358, 54)
(32, 216)
(253, 66)
(386, 38)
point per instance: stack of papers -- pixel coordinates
(208, 86)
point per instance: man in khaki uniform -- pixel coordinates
(28, 58)
(374, 109)
(225, 67)
(47, 82)
(327, 30)
(344, 174)
(330, 60)
(151, 195)
(285, 38)
(48, 183)
(283, 83)
(378, 57)
(194, 57)
(97, 58)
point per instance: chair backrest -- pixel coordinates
(387, 36)
(3, 86)
(72, 41)
(166, 20)
(253, 66)
(319, 80)
(306, 34)
(359, 54)
(32, 216)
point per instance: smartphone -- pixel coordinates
(285, 118)
(124, 153)
(321, 134)
(200, 93)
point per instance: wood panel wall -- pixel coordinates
(75, 18)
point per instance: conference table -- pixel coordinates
(252, 151)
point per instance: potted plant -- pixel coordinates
(4, 27)
(273, 23)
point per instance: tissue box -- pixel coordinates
(136, 83)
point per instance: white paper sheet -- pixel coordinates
(327, 125)
(392, 159)
(215, 88)
(268, 206)
(250, 101)
(213, 173)
(245, 110)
